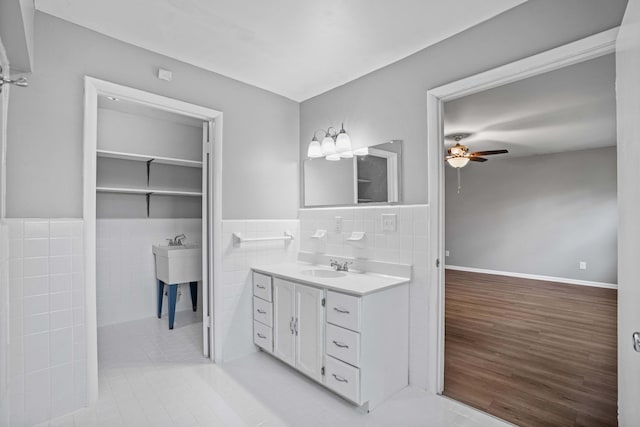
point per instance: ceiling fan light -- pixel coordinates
(458, 162)
(361, 151)
(333, 157)
(346, 154)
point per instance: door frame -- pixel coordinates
(579, 51)
(92, 89)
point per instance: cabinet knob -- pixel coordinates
(339, 310)
(261, 286)
(339, 344)
(261, 311)
(261, 336)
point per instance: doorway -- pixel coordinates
(151, 172)
(574, 53)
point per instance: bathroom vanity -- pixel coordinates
(346, 330)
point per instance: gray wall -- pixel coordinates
(44, 171)
(536, 215)
(391, 102)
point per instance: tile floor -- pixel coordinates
(150, 376)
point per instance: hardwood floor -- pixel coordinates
(531, 352)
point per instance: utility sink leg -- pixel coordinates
(173, 296)
(160, 297)
(194, 295)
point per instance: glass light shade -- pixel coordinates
(328, 146)
(361, 151)
(333, 157)
(458, 162)
(343, 142)
(346, 154)
(314, 150)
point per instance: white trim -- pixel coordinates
(92, 88)
(534, 277)
(563, 56)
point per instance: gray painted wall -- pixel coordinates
(44, 171)
(536, 215)
(391, 103)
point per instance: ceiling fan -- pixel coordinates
(459, 155)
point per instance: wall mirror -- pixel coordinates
(372, 176)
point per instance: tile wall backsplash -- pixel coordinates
(125, 269)
(47, 369)
(4, 324)
(236, 281)
(408, 244)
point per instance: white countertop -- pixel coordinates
(353, 282)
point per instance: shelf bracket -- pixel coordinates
(148, 200)
(149, 170)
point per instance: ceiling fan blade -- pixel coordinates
(489, 152)
(478, 159)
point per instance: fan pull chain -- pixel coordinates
(459, 185)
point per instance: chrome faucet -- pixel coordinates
(177, 241)
(340, 267)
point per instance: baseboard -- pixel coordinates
(535, 277)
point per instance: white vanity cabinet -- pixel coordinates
(355, 345)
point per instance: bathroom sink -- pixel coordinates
(178, 264)
(317, 272)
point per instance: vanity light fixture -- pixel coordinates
(335, 145)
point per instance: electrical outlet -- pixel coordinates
(338, 227)
(446, 253)
(389, 222)
(583, 265)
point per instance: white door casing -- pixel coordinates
(93, 88)
(579, 51)
(309, 330)
(628, 117)
(284, 301)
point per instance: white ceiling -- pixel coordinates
(296, 48)
(569, 109)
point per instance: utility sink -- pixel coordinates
(178, 264)
(319, 272)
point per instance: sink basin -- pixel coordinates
(178, 264)
(317, 272)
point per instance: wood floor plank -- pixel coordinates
(534, 353)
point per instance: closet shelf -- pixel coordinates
(125, 190)
(146, 158)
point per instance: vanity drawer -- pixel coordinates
(343, 310)
(262, 336)
(343, 379)
(262, 311)
(343, 344)
(262, 286)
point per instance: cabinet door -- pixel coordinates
(308, 328)
(283, 320)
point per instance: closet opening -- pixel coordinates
(150, 174)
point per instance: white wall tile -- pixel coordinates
(42, 329)
(35, 247)
(34, 229)
(37, 285)
(36, 351)
(36, 305)
(61, 228)
(35, 266)
(61, 347)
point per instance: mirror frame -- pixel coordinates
(355, 204)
